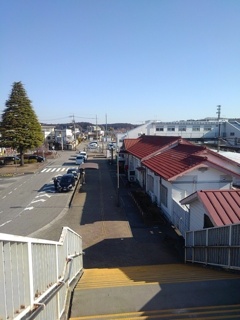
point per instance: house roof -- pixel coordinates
(147, 145)
(222, 206)
(175, 161)
(127, 143)
(182, 158)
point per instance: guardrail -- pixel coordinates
(36, 275)
(219, 246)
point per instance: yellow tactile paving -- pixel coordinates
(143, 275)
(200, 313)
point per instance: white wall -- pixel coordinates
(199, 180)
(183, 187)
(196, 215)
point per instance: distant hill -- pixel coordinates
(85, 125)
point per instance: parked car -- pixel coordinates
(66, 183)
(35, 157)
(11, 159)
(56, 181)
(111, 146)
(80, 159)
(74, 171)
(83, 153)
(92, 145)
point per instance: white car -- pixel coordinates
(80, 159)
(83, 153)
(93, 145)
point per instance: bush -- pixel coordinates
(150, 211)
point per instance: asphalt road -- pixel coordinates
(29, 202)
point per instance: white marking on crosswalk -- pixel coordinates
(55, 169)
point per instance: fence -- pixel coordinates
(35, 275)
(219, 246)
(180, 218)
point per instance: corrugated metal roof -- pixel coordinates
(127, 143)
(147, 145)
(223, 206)
(175, 161)
(170, 157)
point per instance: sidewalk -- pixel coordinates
(113, 235)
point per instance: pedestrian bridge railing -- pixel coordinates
(218, 246)
(36, 274)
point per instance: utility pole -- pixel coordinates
(106, 128)
(96, 128)
(106, 135)
(74, 132)
(219, 131)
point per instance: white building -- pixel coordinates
(170, 168)
(194, 130)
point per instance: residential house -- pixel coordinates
(170, 168)
(95, 133)
(212, 208)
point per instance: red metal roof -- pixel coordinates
(222, 206)
(127, 143)
(170, 157)
(175, 161)
(147, 145)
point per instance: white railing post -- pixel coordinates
(30, 274)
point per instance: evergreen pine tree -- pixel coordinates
(20, 128)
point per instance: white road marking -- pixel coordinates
(43, 195)
(40, 200)
(29, 208)
(55, 169)
(5, 223)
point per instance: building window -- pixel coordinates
(171, 129)
(182, 129)
(159, 129)
(196, 129)
(163, 195)
(206, 128)
(232, 134)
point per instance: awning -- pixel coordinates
(89, 165)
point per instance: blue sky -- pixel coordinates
(122, 60)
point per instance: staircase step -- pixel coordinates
(210, 312)
(143, 275)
